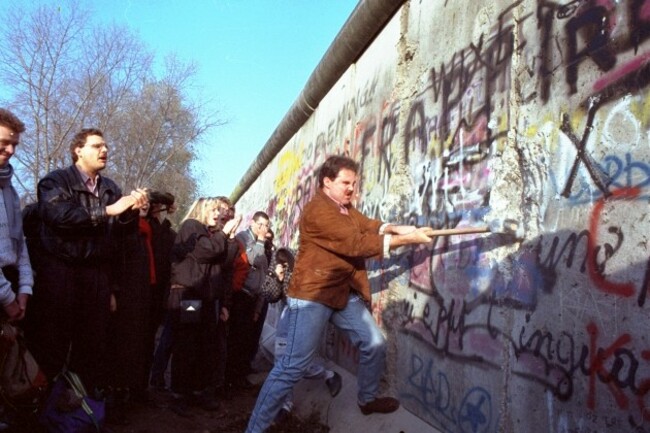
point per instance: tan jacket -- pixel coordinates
(332, 251)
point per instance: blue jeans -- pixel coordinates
(162, 353)
(307, 322)
(316, 370)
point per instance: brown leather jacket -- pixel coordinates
(332, 252)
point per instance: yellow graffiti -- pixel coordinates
(577, 120)
(435, 148)
(640, 108)
(503, 126)
(288, 166)
(546, 129)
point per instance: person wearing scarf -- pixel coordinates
(16, 279)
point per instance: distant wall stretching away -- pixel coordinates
(537, 111)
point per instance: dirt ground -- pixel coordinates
(233, 417)
(156, 416)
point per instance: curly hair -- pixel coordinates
(9, 120)
(79, 140)
(333, 165)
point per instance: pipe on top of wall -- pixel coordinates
(365, 22)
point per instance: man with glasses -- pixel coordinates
(83, 217)
(242, 341)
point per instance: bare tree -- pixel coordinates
(62, 74)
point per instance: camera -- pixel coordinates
(160, 197)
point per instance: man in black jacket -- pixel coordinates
(83, 216)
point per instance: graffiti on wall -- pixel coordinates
(465, 291)
(560, 312)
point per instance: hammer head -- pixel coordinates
(507, 226)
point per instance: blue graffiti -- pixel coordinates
(622, 172)
(476, 404)
(432, 392)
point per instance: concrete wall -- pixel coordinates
(464, 111)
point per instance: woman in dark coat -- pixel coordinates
(199, 301)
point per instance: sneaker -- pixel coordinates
(334, 384)
(380, 405)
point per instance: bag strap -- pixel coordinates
(78, 387)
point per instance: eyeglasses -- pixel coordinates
(267, 225)
(5, 143)
(98, 146)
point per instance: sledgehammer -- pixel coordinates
(507, 226)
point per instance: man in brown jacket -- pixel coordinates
(330, 283)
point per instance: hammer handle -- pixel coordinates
(460, 231)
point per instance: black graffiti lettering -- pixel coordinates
(623, 370)
(588, 35)
(492, 330)
(416, 133)
(569, 248)
(564, 349)
(491, 60)
(539, 343)
(639, 27)
(545, 14)
(594, 23)
(643, 293)
(600, 179)
(565, 11)
(608, 249)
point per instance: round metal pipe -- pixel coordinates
(365, 22)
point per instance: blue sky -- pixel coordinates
(254, 58)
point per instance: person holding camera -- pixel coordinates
(83, 221)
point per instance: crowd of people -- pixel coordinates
(108, 274)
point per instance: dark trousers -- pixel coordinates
(131, 339)
(241, 337)
(69, 312)
(258, 327)
(163, 352)
(198, 352)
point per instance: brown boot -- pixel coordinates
(380, 405)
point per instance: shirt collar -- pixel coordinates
(343, 208)
(89, 182)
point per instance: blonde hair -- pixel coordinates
(202, 206)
